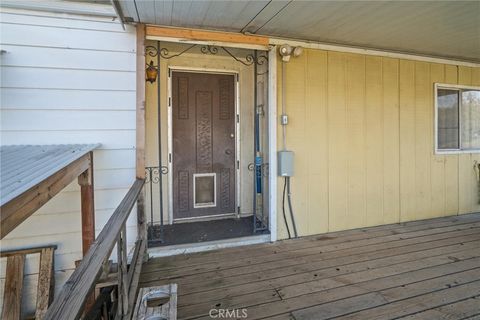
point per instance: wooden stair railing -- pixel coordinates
(70, 302)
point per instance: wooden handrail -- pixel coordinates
(71, 299)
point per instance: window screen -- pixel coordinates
(448, 125)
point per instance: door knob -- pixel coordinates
(232, 135)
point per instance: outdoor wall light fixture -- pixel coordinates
(286, 51)
(151, 72)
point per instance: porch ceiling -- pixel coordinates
(448, 29)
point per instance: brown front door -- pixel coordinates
(203, 127)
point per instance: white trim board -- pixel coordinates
(272, 141)
(175, 250)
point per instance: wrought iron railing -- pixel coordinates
(154, 198)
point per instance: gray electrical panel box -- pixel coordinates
(285, 163)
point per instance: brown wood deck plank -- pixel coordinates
(303, 255)
(256, 287)
(429, 267)
(189, 260)
(287, 316)
(416, 303)
(406, 299)
(456, 310)
(300, 260)
(344, 286)
(331, 307)
(371, 259)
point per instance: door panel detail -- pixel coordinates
(182, 98)
(226, 88)
(225, 182)
(204, 131)
(183, 190)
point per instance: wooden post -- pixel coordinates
(141, 225)
(46, 282)
(85, 180)
(12, 299)
(122, 307)
(140, 133)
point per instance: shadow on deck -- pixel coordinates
(427, 269)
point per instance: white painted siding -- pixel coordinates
(68, 79)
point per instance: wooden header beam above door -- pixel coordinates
(203, 35)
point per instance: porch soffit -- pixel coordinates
(444, 29)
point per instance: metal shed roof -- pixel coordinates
(24, 166)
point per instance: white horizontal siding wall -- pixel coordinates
(68, 79)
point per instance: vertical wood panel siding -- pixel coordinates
(362, 129)
(68, 79)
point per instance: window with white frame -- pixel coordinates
(457, 118)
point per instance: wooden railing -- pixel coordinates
(70, 302)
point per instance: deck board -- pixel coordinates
(416, 270)
(189, 260)
(456, 310)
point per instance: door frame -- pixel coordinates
(237, 119)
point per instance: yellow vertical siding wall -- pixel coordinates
(362, 129)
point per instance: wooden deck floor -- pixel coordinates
(426, 269)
